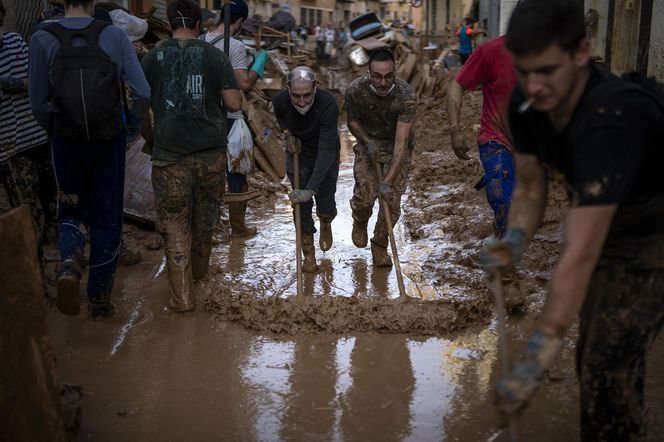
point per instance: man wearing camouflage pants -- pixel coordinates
(381, 116)
(187, 77)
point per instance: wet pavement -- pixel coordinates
(150, 376)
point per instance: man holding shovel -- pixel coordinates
(602, 138)
(381, 116)
(308, 118)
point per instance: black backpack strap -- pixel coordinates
(216, 39)
(90, 33)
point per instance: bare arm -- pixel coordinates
(246, 79)
(454, 102)
(355, 128)
(400, 148)
(232, 99)
(585, 232)
(529, 195)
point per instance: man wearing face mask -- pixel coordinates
(381, 116)
(308, 118)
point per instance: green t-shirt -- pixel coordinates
(186, 78)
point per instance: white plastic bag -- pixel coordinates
(240, 148)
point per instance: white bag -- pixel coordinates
(240, 148)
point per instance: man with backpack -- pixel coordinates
(193, 85)
(601, 137)
(77, 71)
(246, 78)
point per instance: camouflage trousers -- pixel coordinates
(620, 319)
(188, 195)
(28, 178)
(365, 191)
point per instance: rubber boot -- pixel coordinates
(102, 308)
(181, 289)
(199, 265)
(67, 283)
(309, 252)
(359, 234)
(325, 240)
(513, 293)
(237, 213)
(379, 254)
(128, 257)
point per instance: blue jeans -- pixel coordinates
(498, 181)
(90, 178)
(237, 183)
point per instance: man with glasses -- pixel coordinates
(308, 118)
(381, 116)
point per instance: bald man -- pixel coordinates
(308, 118)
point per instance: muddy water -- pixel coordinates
(150, 376)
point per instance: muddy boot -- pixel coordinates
(380, 256)
(309, 252)
(200, 260)
(181, 289)
(128, 257)
(359, 234)
(325, 240)
(513, 293)
(67, 283)
(237, 213)
(99, 312)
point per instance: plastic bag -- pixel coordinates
(240, 148)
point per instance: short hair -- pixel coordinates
(184, 14)
(382, 54)
(537, 24)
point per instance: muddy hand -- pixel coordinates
(373, 150)
(501, 255)
(385, 190)
(291, 143)
(300, 196)
(459, 143)
(513, 391)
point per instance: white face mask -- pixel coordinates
(304, 109)
(375, 91)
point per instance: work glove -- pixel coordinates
(259, 63)
(11, 84)
(514, 390)
(291, 143)
(385, 190)
(459, 143)
(501, 255)
(373, 150)
(300, 196)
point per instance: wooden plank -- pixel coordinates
(30, 397)
(264, 164)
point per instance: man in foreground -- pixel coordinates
(308, 118)
(381, 116)
(189, 80)
(601, 137)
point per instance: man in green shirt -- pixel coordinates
(193, 86)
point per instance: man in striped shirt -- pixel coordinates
(26, 171)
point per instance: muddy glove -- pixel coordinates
(259, 63)
(503, 254)
(291, 143)
(300, 196)
(385, 190)
(514, 390)
(11, 84)
(373, 150)
(459, 143)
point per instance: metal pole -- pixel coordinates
(298, 227)
(227, 30)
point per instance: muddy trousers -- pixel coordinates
(187, 197)
(620, 319)
(90, 178)
(365, 192)
(28, 178)
(326, 206)
(498, 181)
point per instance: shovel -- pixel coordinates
(298, 227)
(390, 233)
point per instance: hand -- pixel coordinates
(291, 143)
(300, 196)
(503, 254)
(259, 63)
(385, 190)
(459, 143)
(515, 389)
(12, 84)
(373, 150)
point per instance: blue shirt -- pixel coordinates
(465, 41)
